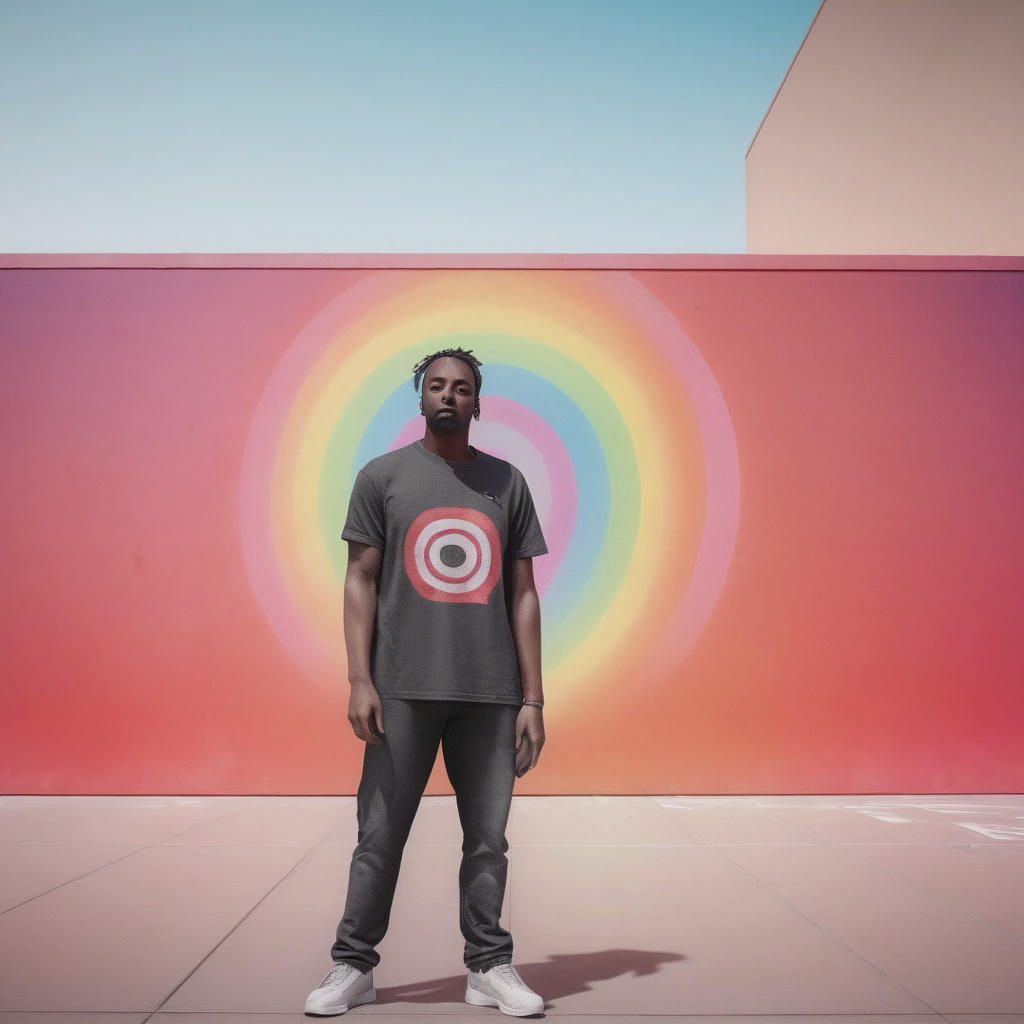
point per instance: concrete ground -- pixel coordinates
(763, 910)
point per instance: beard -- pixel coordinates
(450, 424)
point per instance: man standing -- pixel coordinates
(442, 630)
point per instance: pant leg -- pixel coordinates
(394, 777)
(479, 755)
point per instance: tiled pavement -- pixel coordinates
(769, 910)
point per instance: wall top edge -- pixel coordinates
(501, 261)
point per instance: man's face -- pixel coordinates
(449, 395)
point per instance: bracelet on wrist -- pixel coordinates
(533, 703)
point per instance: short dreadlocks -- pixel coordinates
(466, 355)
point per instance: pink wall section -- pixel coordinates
(818, 582)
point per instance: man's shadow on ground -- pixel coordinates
(558, 976)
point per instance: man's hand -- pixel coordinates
(529, 738)
(366, 713)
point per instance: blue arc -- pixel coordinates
(572, 426)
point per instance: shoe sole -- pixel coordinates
(477, 998)
(333, 1011)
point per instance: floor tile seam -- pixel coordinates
(712, 842)
(666, 812)
(220, 942)
(175, 835)
(170, 845)
(832, 938)
(203, 824)
(20, 1015)
(27, 844)
(166, 844)
(880, 799)
(939, 901)
(620, 846)
(71, 881)
(879, 1018)
(933, 807)
(813, 832)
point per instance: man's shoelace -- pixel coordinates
(337, 976)
(508, 974)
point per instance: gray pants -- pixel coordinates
(478, 741)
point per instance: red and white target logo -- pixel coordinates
(453, 555)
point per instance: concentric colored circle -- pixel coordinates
(470, 579)
(590, 386)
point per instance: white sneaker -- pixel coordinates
(344, 987)
(502, 987)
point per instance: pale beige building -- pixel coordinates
(899, 128)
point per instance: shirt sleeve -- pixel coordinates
(526, 539)
(365, 521)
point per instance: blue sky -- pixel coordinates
(387, 126)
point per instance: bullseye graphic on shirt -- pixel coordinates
(453, 555)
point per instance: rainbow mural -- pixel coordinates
(180, 443)
(590, 387)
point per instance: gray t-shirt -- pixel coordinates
(449, 533)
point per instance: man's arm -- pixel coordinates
(361, 576)
(525, 619)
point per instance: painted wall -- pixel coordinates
(896, 130)
(782, 505)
